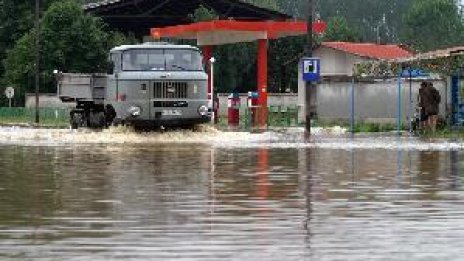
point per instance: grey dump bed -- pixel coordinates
(82, 87)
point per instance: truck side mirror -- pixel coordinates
(110, 67)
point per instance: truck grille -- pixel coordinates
(170, 90)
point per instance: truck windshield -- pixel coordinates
(161, 60)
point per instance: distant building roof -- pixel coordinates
(370, 50)
(436, 54)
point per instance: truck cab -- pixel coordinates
(158, 84)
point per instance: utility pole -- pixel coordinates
(309, 53)
(37, 59)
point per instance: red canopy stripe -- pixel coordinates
(274, 29)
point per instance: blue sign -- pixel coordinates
(311, 69)
(414, 73)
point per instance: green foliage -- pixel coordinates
(203, 14)
(375, 20)
(338, 29)
(430, 24)
(16, 18)
(361, 127)
(236, 67)
(49, 117)
(71, 41)
(284, 55)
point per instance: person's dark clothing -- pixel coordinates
(429, 100)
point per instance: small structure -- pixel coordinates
(375, 96)
(340, 58)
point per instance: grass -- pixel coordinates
(444, 132)
(361, 127)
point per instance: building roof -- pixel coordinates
(138, 16)
(436, 54)
(370, 50)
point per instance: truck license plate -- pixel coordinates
(171, 113)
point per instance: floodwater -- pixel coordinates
(232, 196)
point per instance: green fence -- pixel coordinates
(53, 117)
(277, 116)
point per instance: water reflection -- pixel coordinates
(428, 170)
(198, 202)
(454, 170)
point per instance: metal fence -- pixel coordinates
(53, 117)
(277, 116)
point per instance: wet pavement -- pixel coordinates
(229, 196)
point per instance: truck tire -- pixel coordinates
(110, 114)
(118, 122)
(76, 120)
(97, 120)
(100, 119)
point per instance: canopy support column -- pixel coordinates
(207, 54)
(262, 82)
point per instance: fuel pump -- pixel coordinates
(252, 103)
(233, 109)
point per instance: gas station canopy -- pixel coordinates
(218, 32)
(138, 16)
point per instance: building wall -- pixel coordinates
(336, 62)
(374, 101)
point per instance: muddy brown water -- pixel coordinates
(206, 202)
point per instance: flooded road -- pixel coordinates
(234, 197)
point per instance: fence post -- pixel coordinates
(399, 105)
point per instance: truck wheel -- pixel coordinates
(118, 122)
(97, 119)
(110, 114)
(76, 120)
(100, 119)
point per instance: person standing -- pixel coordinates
(429, 101)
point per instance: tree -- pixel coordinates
(431, 24)
(339, 30)
(375, 20)
(202, 13)
(16, 18)
(71, 41)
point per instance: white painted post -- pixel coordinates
(213, 116)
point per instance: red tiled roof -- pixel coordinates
(370, 50)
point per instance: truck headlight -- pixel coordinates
(135, 111)
(203, 110)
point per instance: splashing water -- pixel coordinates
(326, 138)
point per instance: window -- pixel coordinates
(162, 60)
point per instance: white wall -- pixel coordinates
(335, 62)
(332, 62)
(374, 101)
(47, 101)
